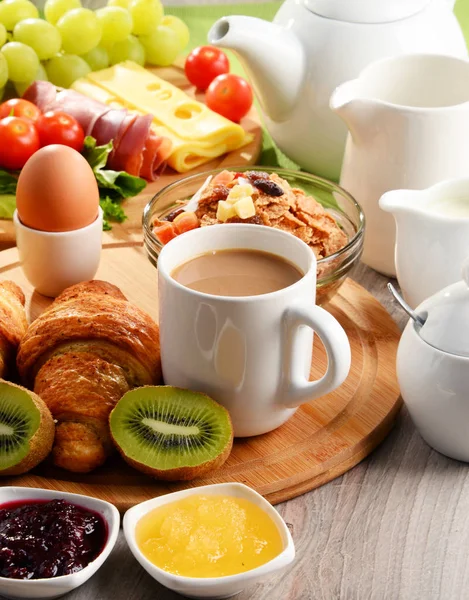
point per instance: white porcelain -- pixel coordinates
(210, 587)
(53, 261)
(431, 245)
(313, 46)
(409, 128)
(55, 587)
(433, 369)
(252, 353)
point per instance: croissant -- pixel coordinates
(13, 324)
(80, 356)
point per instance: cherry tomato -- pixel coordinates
(60, 128)
(204, 64)
(229, 96)
(17, 107)
(19, 140)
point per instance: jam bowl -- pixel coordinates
(210, 587)
(337, 202)
(17, 506)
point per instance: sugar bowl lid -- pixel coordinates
(446, 317)
(366, 11)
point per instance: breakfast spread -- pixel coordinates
(40, 539)
(81, 355)
(197, 134)
(264, 199)
(170, 433)
(237, 273)
(208, 536)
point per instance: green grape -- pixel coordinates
(80, 30)
(3, 71)
(116, 23)
(22, 61)
(64, 69)
(129, 49)
(121, 3)
(14, 11)
(162, 46)
(98, 58)
(146, 16)
(179, 27)
(3, 35)
(41, 75)
(54, 9)
(43, 37)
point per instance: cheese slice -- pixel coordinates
(197, 133)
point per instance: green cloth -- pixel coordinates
(200, 18)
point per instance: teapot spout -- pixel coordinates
(272, 56)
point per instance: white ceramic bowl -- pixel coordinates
(58, 586)
(210, 587)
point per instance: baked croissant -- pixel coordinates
(80, 356)
(13, 324)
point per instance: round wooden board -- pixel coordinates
(321, 441)
(131, 229)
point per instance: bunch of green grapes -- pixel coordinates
(72, 41)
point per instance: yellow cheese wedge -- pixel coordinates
(197, 133)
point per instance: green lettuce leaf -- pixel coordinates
(7, 206)
(7, 183)
(114, 186)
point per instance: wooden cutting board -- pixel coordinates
(131, 229)
(321, 441)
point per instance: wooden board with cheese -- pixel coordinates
(173, 80)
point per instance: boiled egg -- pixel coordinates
(57, 190)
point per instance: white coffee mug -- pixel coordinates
(251, 353)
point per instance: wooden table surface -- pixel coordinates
(396, 527)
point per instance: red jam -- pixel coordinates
(40, 539)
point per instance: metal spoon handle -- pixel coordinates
(400, 300)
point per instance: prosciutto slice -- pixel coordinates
(136, 148)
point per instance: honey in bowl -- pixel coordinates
(208, 536)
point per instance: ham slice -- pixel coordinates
(136, 149)
(155, 153)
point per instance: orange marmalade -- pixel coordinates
(208, 536)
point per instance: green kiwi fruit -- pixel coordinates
(171, 433)
(26, 429)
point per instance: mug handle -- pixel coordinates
(337, 346)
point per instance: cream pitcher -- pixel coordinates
(408, 120)
(432, 236)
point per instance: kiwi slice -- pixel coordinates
(171, 433)
(26, 429)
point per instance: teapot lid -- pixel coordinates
(446, 317)
(366, 11)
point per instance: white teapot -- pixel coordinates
(312, 46)
(433, 369)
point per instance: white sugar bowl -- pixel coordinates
(433, 369)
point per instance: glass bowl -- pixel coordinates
(332, 270)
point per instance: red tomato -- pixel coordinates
(229, 96)
(19, 140)
(17, 107)
(204, 64)
(60, 128)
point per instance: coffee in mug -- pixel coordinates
(237, 272)
(252, 353)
